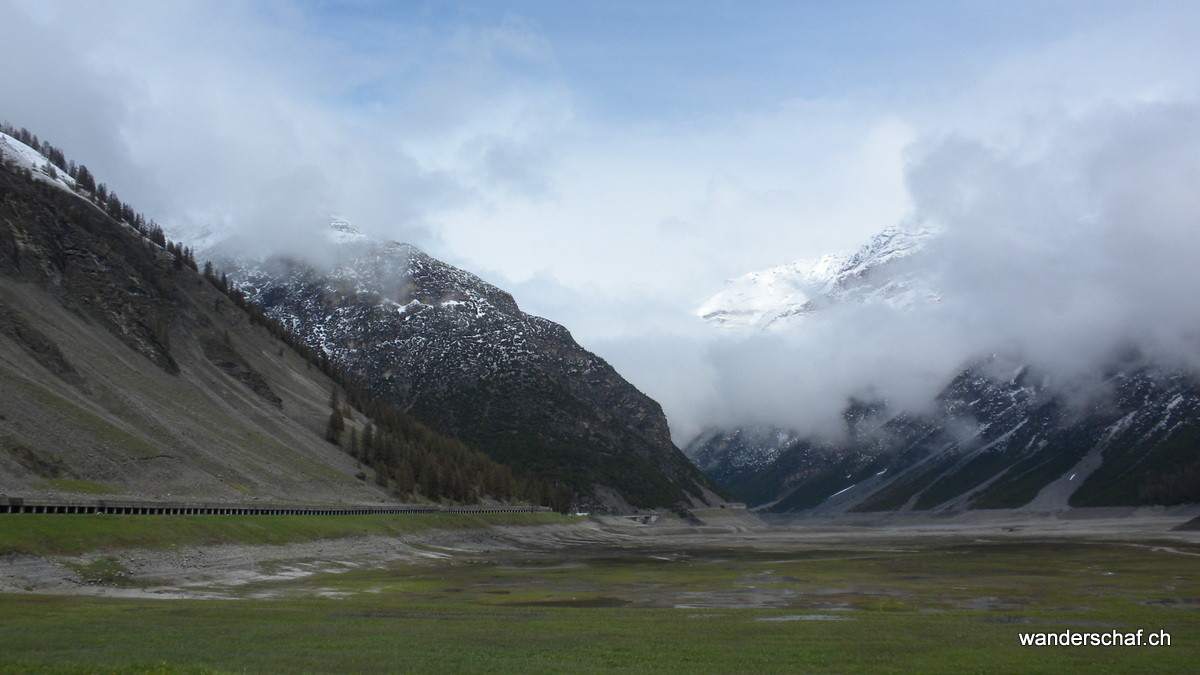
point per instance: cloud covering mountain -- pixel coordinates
(1059, 255)
(611, 174)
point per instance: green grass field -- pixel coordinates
(944, 607)
(58, 534)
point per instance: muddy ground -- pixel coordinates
(258, 571)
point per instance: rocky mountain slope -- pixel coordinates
(459, 354)
(999, 436)
(124, 371)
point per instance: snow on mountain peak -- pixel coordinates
(774, 297)
(342, 232)
(745, 301)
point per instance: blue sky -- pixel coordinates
(610, 163)
(667, 60)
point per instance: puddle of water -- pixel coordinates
(1188, 603)
(805, 617)
(586, 602)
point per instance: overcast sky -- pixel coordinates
(611, 163)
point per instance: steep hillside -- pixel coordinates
(459, 354)
(124, 371)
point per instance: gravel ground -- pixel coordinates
(226, 571)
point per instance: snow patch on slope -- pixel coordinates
(879, 271)
(342, 232)
(15, 152)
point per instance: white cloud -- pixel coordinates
(1061, 259)
(471, 140)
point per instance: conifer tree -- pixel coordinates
(334, 428)
(85, 179)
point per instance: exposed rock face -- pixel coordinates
(458, 353)
(999, 435)
(993, 442)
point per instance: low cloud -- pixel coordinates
(249, 118)
(1063, 176)
(1060, 258)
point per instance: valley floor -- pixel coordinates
(880, 593)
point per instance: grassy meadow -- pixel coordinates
(937, 607)
(69, 534)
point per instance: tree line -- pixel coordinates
(410, 458)
(98, 193)
(407, 457)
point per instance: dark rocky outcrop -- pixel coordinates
(224, 356)
(999, 438)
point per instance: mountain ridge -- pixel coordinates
(1000, 434)
(124, 370)
(459, 353)
(777, 297)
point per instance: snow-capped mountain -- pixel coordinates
(998, 436)
(775, 298)
(459, 353)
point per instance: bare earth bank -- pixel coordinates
(248, 571)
